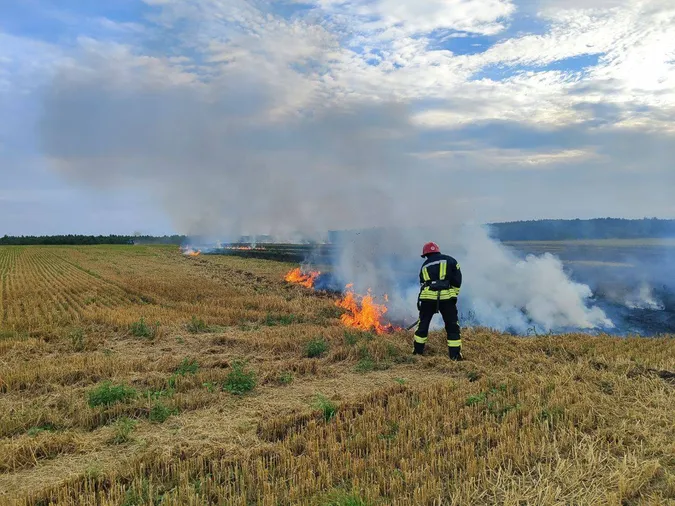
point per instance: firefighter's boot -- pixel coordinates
(419, 348)
(455, 347)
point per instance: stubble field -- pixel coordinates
(137, 375)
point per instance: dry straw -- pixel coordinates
(571, 419)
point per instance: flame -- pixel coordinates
(191, 252)
(364, 314)
(306, 280)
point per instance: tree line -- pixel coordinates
(531, 230)
(75, 240)
(600, 228)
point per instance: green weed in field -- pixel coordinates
(107, 394)
(187, 366)
(343, 499)
(326, 406)
(197, 326)
(316, 347)
(123, 429)
(272, 320)
(351, 337)
(286, 378)
(77, 339)
(159, 413)
(142, 329)
(45, 427)
(239, 380)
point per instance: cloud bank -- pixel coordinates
(255, 117)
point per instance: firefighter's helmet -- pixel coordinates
(429, 248)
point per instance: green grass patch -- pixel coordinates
(45, 427)
(123, 429)
(107, 394)
(391, 432)
(367, 363)
(7, 334)
(187, 366)
(351, 337)
(272, 320)
(76, 337)
(552, 414)
(493, 401)
(327, 407)
(197, 326)
(159, 412)
(285, 378)
(143, 330)
(339, 497)
(239, 380)
(316, 347)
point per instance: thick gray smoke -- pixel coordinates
(244, 144)
(501, 290)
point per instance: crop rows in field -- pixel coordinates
(7, 260)
(41, 290)
(328, 415)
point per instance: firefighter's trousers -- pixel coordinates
(448, 310)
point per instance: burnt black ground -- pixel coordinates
(617, 271)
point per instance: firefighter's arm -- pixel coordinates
(419, 300)
(457, 275)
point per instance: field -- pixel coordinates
(137, 375)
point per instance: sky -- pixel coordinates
(241, 116)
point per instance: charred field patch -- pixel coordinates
(570, 419)
(633, 280)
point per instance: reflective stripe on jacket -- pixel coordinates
(436, 269)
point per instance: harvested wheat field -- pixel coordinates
(138, 375)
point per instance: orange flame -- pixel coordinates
(364, 314)
(306, 280)
(191, 252)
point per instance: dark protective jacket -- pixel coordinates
(440, 278)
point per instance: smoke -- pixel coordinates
(500, 291)
(643, 299)
(243, 143)
(223, 173)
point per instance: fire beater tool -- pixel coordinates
(410, 328)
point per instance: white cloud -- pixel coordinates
(228, 66)
(477, 16)
(26, 63)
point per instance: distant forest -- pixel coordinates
(63, 240)
(601, 228)
(537, 230)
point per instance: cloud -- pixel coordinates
(333, 113)
(474, 16)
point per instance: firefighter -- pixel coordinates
(440, 280)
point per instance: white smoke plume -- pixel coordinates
(500, 290)
(643, 298)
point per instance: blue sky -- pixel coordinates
(237, 116)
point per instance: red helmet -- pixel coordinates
(429, 248)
